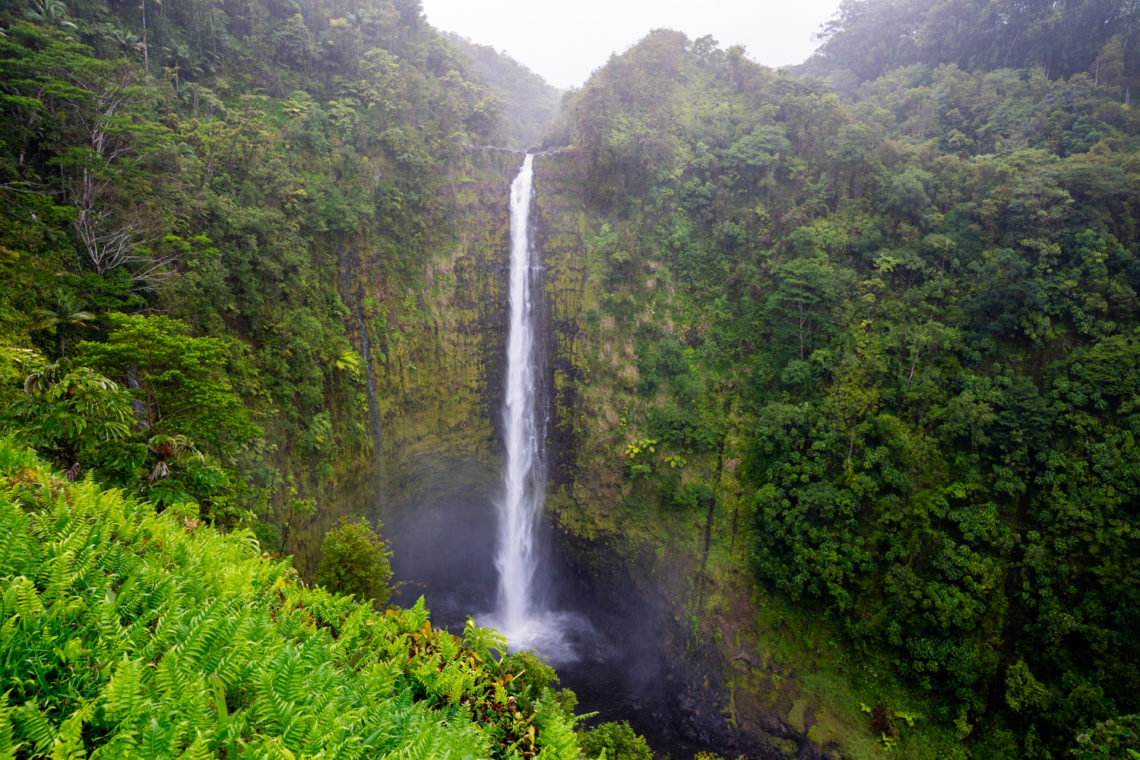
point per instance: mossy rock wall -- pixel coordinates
(741, 675)
(433, 343)
(745, 670)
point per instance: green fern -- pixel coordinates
(155, 742)
(8, 744)
(199, 749)
(34, 727)
(68, 743)
(15, 549)
(556, 737)
(191, 644)
(28, 605)
(122, 698)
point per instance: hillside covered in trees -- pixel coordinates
(883, 351)
(850, 349)
(213, 172)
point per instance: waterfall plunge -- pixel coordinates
(523, 475)
(519, 617)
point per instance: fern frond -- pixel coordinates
(68, 743)
(199, 749)
(8, 744)
(28, 604)
(15, 550)
(34, 726)
(556, 737)
(57, 575)
(122, 697)
(154, 744)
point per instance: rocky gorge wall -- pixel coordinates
(728, 677)
(740, 670)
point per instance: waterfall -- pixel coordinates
(523, 477)
(519, 616)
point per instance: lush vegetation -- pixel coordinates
(877, 331)
(869, 38)
(354, 560)
(529, 103)
(134, 634)
(898, 335)
(187, 188)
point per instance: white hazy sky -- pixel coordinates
(563, 42)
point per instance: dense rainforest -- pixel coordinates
(848, 354)
(907, 321)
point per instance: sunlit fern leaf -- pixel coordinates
(120, 746)
(419, 744)
(155, 742)
(163, 625)
(68, 743)
(28, 604)
(233, 659)
(334, 730)
(195, 708)
(556, 737)
(15, 549)
(85, 568)
(270, 711)
(218, 640)
(292, 681)
(201, 635)
(231, 738)
(169, 679)
(56, 575)
(417, 615)
(122, 697)
(33, 726)
(199, 749)
(8, 744)
(295, 731)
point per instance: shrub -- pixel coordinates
(617, 739)
(354, 560)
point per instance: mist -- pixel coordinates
(565, 43)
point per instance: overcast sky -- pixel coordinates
(564, 42)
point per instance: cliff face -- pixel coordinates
(647, 570)
(436, 351)
(738, 669)
(432, 344)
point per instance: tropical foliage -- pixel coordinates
(895, 337)
(128, 633)
(354, 560)
(876, 332)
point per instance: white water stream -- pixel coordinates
(519, 615)
(523, 476)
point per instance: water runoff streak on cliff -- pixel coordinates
(520, 617)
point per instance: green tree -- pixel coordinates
(617, 740)
(180, 381)
(66, 313)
